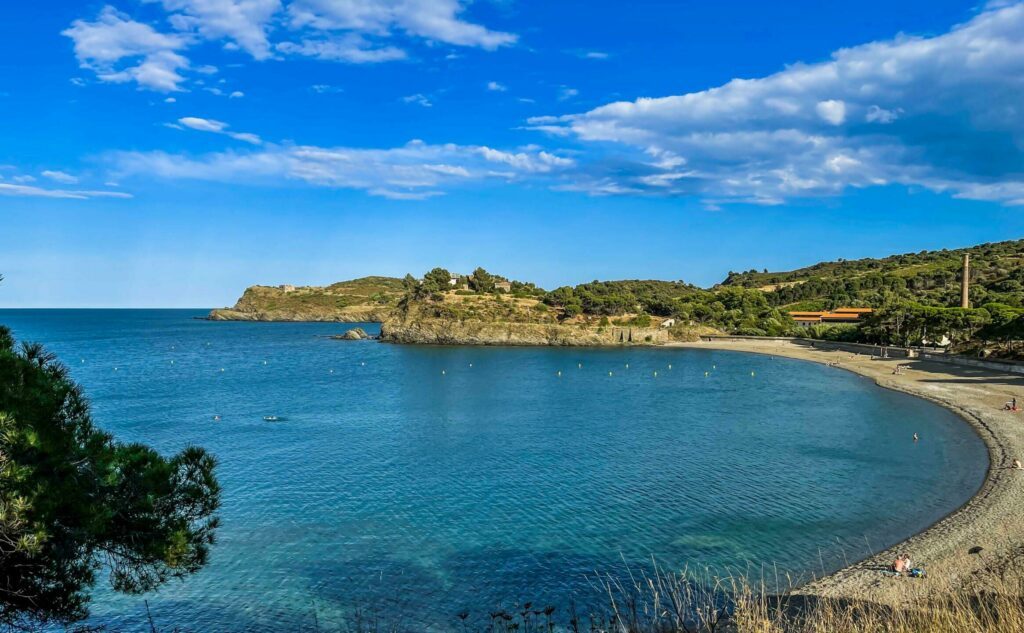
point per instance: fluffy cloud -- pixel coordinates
(243, 22)
(120, 50)
(216, 127)
(413, 171)
(940, 112)
(494, 86)
(434, 20)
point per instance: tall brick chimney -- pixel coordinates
(965, 284)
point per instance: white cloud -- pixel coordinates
(326, 89)
(243, 22)
(216, 127)
(434, 20)
(594, 55)
(832, 110)
(351, 48)
(494, 86)
(170, 100)
(41, 192)
(60, 176)
(418, 99)
(237, 94)
(939, 112)
(120, 50)
(413, 171)
(565, 93)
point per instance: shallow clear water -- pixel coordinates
(425, 480)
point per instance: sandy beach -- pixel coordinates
(983, 535)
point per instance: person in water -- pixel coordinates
(916, 437)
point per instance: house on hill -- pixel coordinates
(830, 317)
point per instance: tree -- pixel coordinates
(481, 281)
(73, 500)
(436, 281)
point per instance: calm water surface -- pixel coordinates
(425, 480)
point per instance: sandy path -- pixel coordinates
(992, 520)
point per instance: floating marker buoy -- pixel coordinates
(172, 362)
(580, 365)
(706, 374)
(751, 373)
(83, 360)
(115, 369)
(331, 372)
(655, 374)
(627, 365)
(559, 373)
(609, 373)
(670, 366)
(471, 364)
(363, 364)
(264, 362)
(222, 369)
(442, 372)
(714, 367)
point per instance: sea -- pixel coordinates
(418, 483)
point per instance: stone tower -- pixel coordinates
(965, 283)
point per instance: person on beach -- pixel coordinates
(1011, 405)
(1017, 464)
(899, 565)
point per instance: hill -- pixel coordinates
(357, 300)
(931, 278)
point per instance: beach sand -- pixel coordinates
(992, 520)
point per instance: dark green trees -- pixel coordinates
(73, 501)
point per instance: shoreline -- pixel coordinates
(948, 549)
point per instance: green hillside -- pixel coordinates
(931, 278)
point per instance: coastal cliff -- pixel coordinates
(449, 332)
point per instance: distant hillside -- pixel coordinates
(364, 299)
(931, 278)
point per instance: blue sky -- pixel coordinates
(171, 152)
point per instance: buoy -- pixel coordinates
(559, 373)
(264, 362)
(670, 366)
(751, 373)
(655, 374)
(362, 364)
(222, 369)
(442, 372)
(471, 364)
(332, 371)
(580, 365)
(609, 373)
(706, 374)
(83, 360)
(216, 418)
(115, 369)
(627, 365)
(714, 367)
(172, 362)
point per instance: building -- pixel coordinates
(830, 317)
(505, 286)
(287, 288)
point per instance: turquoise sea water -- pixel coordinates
(421, 481)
